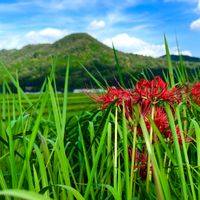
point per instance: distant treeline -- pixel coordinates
(29, 84)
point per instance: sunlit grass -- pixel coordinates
(61, 146)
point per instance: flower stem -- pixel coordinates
(115, 151)
(133, 160)
(149, 172)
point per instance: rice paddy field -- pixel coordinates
(77, 102)
(140, 143)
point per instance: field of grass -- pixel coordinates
(143, 143)
(77, 102)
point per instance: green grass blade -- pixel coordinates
(177, 151)
(171, 75)
(184, 148)
(156, 171)
(86, 159)
(119, 70)
(99, 150)
(23, 194)
(65, 100)
(197, 132)
(93, 78)
(126, 159)
(74, 192)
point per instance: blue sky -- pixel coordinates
(135, 26)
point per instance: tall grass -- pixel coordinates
(45, 154)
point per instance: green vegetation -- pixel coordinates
(33, 62)
(77, 102)
(143, 144)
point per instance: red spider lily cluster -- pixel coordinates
(146, 95)
(196, 93)
(149, 96)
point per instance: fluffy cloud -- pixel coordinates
(10, 42)
(97, 24)
(131, 44)
(47, 35)
(174, 51)
(195, 25)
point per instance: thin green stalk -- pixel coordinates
(109, 154)
(119, 178)
(119, 69)
(96, 161)
(149, 172)
(86, 159)
(171, 75)
(197, 132)
(43, 173)
(133, 161)
(12, 152)
(156, 171)
(65, 101)
(93, 148)
(126, 159)
(115, 150)
(184, 148)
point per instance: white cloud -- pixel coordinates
(97, 24)
(174, 51)
(195, 25)
(9, 42)
(186, 53)
(131, 44)
(47, 35)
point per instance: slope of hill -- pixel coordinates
(33, 62)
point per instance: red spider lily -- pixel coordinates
(120, 95)
(172, 96)
(158, 88)
(145, 94)
(161, 121)
(196, 93)
(136, 156)
(151, 89)
(113, 94)
(140, 161)
(151, 92)
(187, 139)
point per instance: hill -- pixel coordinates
(33, 62)
(185, 58)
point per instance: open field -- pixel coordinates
(76, 103)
